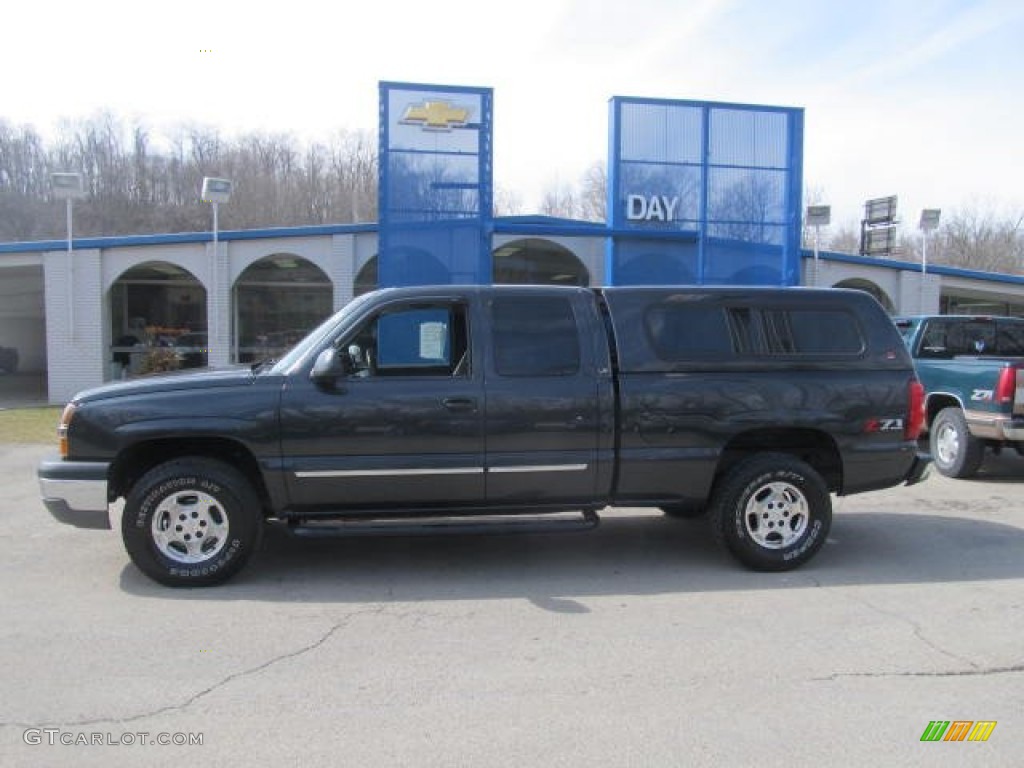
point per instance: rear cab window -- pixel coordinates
(682, 330)
(946, 338)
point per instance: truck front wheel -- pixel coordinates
(956, 452)
(191, 522)
(772, 512)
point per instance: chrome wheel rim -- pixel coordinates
(190, 527)
(947, 444)
(777, 515)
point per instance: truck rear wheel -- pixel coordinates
(191, 522)
(772, 512)
(956, 452)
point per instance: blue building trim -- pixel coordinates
(127, 241)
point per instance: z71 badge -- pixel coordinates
(982, 395)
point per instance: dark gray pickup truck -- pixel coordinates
(470, 407)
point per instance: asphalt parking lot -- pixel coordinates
(637, 644)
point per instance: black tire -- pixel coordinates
(955, 451)
(684, 511)
(772, 512)
(191, 522)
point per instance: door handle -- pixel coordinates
(459, 403)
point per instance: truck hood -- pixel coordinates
(206, 378)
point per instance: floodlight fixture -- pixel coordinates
(216, 190)
(67, 186)
(819, 215)
(929, 220)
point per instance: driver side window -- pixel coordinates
(419, 340)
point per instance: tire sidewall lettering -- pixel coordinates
(153, 499)
(200, 570)
(810, 536)
(738, 511)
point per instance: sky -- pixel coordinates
(915, 98)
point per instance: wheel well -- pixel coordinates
(809, 445)
(139, 459)
(936, 403)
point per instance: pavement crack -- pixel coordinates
(199, 695)
(985, 672)
(918, 631)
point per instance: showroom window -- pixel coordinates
(278, 300)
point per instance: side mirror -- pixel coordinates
(329, 367)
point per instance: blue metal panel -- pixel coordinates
(724, 179)
(656, 261)
(435, 185)
(745, 137)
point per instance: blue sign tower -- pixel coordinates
(703, 192)
(435, 184)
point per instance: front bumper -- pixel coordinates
(919, 469)
(75, 492)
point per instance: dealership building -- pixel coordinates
(698, 193)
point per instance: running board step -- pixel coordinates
(428, 526)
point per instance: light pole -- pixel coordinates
(215, 191)
(818, 216)
(69, 187)
(929, 221)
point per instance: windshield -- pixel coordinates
(316, 337)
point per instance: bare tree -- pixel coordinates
(980, 240)
(507, 202)
(844, 239)
(594, 193)
(131, 187)
(561, 200)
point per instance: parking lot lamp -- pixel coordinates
(69, 187)
(818, 216)
(929, 222)
(215, 191)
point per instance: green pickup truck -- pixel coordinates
(974, 391)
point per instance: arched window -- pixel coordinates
(277, 300)
(867, 286)
(157, 319)
(536, 261)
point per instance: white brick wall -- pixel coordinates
(77, 347)
(218, 305)
(342, 270)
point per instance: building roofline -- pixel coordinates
(125, 241)
(910, 266)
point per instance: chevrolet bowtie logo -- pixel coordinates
(435, 115)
